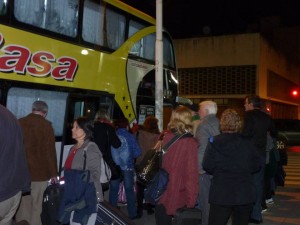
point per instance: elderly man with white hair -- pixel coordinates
(209, 126)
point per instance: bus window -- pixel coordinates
(60, 16)
(108, 32)
(134, 27)
(3, 7)
(169, 57)
(19, 102)
(144, 48)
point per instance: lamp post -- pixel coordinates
(159, 65)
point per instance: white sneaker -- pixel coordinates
(264, 210)
(270, 201)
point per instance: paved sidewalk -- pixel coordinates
(284, 211)
(286, 208)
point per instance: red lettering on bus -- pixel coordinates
(42, 66)
(66, 69)
(16, 59)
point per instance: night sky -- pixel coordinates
(192, 18)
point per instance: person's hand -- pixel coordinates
(158, 145)
(53, 180)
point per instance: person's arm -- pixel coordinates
(248, 129)
(113, 138)
(93, 164)
(51, 153)
(209, 159)
(202, 137)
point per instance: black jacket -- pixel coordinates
(232, 160)
(105, 136)
(256, 126)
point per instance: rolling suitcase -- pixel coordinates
(50, 205)
(188, 216)
(107, 214)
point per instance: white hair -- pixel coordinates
(210, 106)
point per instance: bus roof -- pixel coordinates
(131, 10)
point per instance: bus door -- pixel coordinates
(81, 105)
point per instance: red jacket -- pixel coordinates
(181, 162)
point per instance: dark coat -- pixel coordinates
(105, 136)
(256, 126)
(181, 162)
(14, 173)
(232, 160)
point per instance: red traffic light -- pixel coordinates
(295, 93)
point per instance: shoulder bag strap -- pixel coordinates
(173, 140)
(84, 155)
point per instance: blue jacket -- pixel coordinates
(129, 150)
(79, 196)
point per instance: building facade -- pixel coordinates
(228, 68)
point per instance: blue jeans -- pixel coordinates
(259, 181)
(128, 177)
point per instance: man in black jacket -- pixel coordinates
(256, 125)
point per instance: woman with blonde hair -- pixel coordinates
(181, 163)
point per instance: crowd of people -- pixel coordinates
(224, 166)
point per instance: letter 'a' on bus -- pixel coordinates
(80, 56)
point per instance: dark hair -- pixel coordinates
(151, 125)
(255, 100)
(122, 123)
(86, 125)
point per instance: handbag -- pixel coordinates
(158, 184)
(148, 167)
(156, 187)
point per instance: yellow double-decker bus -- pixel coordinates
(79, 56)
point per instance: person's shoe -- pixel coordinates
(270, 201)
(255, 221)
(263, 210)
